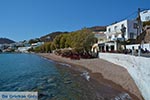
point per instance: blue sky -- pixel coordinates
(26, 19)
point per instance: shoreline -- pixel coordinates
(102, 71)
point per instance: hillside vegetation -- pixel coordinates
(51, 36)
(80, 41)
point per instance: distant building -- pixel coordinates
(145, 15)
(23, 49)
(99, 34)
(37, 44)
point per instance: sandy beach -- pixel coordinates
(104, 72)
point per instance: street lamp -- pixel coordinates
(123, 30)
(137, 27)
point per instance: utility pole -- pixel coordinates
(139, 10)
(123, 31)
(139, 27)
(139, 23)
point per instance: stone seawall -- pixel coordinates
(138, 68)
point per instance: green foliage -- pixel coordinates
(50, 37)
(57, 41)
(34, 40)
(63, 41)
(83, 39)
(89, 41)
(146, 23)
(68, 41)
(52, 46)
(46, 47)
(79, 40)
(37, 49)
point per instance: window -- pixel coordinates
(115, 28)
(145, 11)
(147, 18)
(123, 28)
(109, 37)
(135, 25)
(109, 30)
(122, 25)
(131, 35)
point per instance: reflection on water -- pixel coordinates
(27, 72)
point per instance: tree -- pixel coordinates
(146, 23)
(63, 41)
(48, 47)
(37, 49)
(34, 40)
(52, 46)
(89, 41)
(83, 40)
(57, 41)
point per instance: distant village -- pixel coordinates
(135, 32)
(21, 47)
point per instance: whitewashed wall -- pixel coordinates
(138, 68)
(116, 28)
(147, 46)
(23, 49)
(145, 15)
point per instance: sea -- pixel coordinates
(52, 80)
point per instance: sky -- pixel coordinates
(28, 19)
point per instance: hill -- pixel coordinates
(50, 37)
(98, 28)
(6, 41)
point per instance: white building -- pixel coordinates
(130, 29)
(101, 39)
(145, 15)
(113, 32)
(24, 49)
(37, 44)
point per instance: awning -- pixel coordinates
(101, 44)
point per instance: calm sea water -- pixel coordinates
(28, 72)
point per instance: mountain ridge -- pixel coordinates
(50, 37)
(6, 41)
